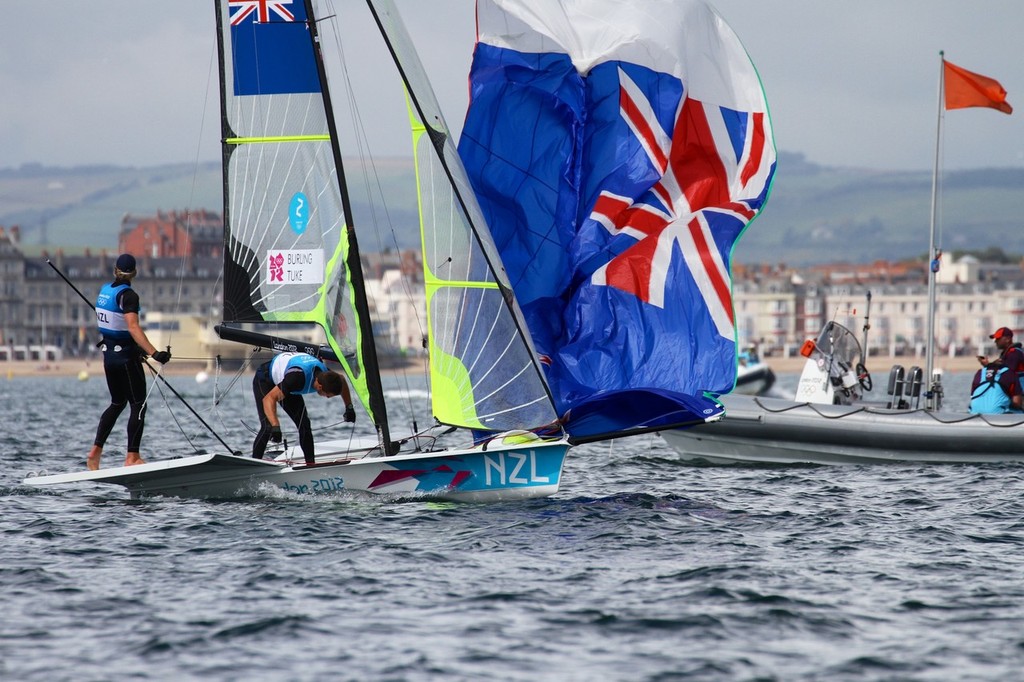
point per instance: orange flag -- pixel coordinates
(967, 89)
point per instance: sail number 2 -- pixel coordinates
(298, 212)
(512, 468)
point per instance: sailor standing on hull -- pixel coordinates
(124, 346)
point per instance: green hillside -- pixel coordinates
(815, 214)
(80, 208)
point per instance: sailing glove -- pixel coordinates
(162, 356)
(275, 434)
(350, 414)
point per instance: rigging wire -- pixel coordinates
(179, 306)
(219, 395)
(174, 417)
(246, 364)
(190, 210)
(374, 193)
(191, 409)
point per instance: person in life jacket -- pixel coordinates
(124, 346)
(995, 390)
(284, 380)
(1010, 353)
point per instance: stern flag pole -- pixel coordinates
(934, 392)
(958, 89)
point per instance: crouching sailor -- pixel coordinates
(995, 390)
(284, 380)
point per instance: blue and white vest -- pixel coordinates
(286, 361)
(109, 316)
(989, 397)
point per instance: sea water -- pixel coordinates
(639, 568)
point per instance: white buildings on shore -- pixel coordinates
(778, 308)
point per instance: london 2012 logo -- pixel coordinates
(276, 265)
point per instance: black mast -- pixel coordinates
(236, 305)
(353, 263)
(225, 154)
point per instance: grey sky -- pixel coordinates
(848, 83)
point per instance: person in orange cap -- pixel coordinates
(1010, 354)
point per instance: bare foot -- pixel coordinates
(92, 462)
(132, 459)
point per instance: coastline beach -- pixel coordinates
(75, 367)
(878, 365)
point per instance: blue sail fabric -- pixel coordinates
(618, 152)
(272, 53)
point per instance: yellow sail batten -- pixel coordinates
(280, 138)
(435, 281)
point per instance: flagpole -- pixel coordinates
(934, 394)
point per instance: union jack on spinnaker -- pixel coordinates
(618, 151)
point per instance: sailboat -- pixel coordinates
(832, 419)
(577, 281)
(291, 256)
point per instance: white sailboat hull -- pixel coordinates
(497, 473)
(768, 430)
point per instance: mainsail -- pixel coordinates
(290, 253)
(618, 151)
(290, 250)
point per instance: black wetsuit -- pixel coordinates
(126, 381)
(293, 405)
